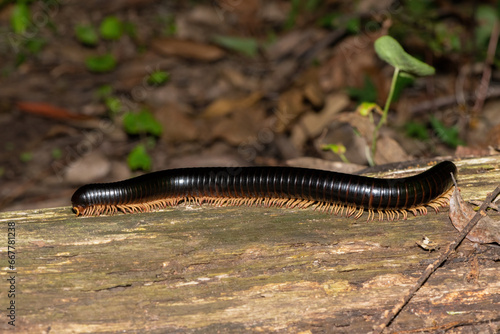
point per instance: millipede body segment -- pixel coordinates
(272, 186)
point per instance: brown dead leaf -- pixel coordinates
(177, 125)
(493, 138)
(290, 105)
(223, 107)
(246, 11)
(352, 60)
(50, 111)
(88, 169)
(486, 231)
(312, 124)
(240, 129)
(314, 94)
(361, 123)
(388, 151)
(187, 49)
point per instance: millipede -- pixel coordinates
(289, 187)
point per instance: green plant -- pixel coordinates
(339, 21)
(485, 17)
(139, 158)
(368, 93)
(86, 34)
(25, 39)
(141, 123)
(111, 28)
(26, 156)
(100, 64)
(104, 91)
(338, 149)
(56, 153)
(158, 78)
(170, 26)
(20, 18)
(448, 135)
(389, 50)
(246, 46)
(416, 130)
(113, 104)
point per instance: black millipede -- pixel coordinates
(272, 186)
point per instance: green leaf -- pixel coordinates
(366, 108)
(338, 149)
(368, 93)
(416, 130)
(170, 26)
(20, 18)
(335, 148)
(35, 45)
(26, 156)
(389, 50)
(247, 46)
(142, 122)
(292, 14)
(101, 64)
(353, 25)
(113, 104)
(139, 158)
(420, 8)
(485, 18)
(111, 28)
(104, 91)
(86, 34)
(158, 78)
(130, 29)
(447, 135)
(56, 153)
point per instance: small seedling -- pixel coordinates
(111, 28)
(20, 18)
(26, 156)
(141, 123)
(448, 135)
(56, 153)
(389, 50)
(113, 104)
(246, 46)
(86, 34)
(139, 158)
(416, 130)
(101, 64)
(338, 149)
(158, 78)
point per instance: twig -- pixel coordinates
(432, 267)
(451, 100)
(485, 80)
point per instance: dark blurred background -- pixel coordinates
(97, 91)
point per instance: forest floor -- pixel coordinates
(244, 83)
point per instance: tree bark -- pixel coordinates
(206, 269)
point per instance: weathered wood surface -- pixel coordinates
(240, 270)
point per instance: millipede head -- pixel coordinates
(79, 210)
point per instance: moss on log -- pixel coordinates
(247, 269)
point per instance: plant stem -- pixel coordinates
(386, 111)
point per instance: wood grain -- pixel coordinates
(239, 270)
